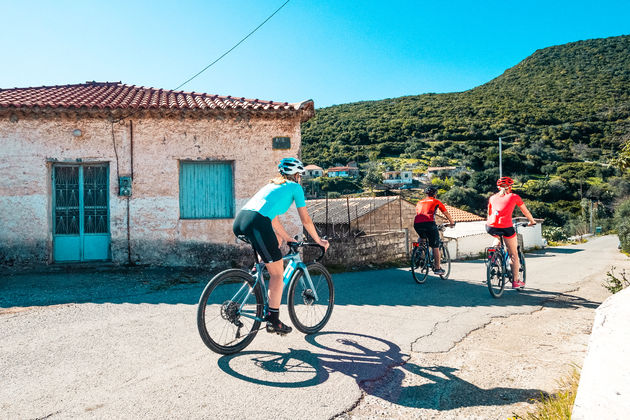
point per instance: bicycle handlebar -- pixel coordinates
(294, 247)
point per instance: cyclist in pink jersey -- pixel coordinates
(500, 208)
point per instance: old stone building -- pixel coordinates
(113, 172)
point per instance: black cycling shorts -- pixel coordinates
(428, 230)
(257, 228)
(507, 232)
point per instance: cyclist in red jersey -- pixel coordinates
(500, 208)
(424, 224)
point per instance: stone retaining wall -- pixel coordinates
(368, 249)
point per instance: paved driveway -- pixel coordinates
(124, 344)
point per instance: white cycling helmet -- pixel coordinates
(290, 166)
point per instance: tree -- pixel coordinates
(465, 198)
(622, 161)
(439, 161)
(373, 175)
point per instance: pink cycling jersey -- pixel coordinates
(500, 209)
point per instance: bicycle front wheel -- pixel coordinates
(445, 261)
(310, 302)
(495, 278)
(229, 311)
(419, 264)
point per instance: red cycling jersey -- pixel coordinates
(425, 209)
(500, 208)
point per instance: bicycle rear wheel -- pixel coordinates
(310, 304)
(495, 278)
(419, 264)
(522, 271)
(445, 261)
(226, 311)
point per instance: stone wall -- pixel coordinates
(153, 233)
(363, 250)
(396, 215)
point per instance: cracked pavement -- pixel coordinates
(124, 343)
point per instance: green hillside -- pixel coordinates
(577, 93)
(563, 105)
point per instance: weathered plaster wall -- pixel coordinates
(29, 146)
(155, 221)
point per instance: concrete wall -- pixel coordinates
(368, 249)
(32, 143)
(604, 389)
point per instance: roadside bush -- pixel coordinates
(616, 284)
(622, 223)
(554, 234)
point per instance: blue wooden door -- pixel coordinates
(80, 213)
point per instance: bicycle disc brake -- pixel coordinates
(308, 296)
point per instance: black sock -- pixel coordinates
(273, 315)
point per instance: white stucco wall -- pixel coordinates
(604, 389)
(470, 239)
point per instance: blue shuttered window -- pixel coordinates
(206, 190)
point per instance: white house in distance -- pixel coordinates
(313, 171)
(397, 177)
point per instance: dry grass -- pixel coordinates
(557, 406)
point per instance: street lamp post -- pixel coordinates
(500, 159)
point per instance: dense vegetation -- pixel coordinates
(563, 115)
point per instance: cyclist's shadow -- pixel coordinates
(378, 367)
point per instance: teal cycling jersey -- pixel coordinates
(275, 199)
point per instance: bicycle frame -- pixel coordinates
(294, 262)
(502, 248)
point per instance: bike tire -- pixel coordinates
(445, 261)
(523, 269)
(217, 307)
(419, 264)
(495, 278)
(310, 316)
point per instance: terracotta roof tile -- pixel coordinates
(116, 95)
(460, 215)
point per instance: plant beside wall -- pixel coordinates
(616, 284)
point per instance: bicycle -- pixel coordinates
(498, 267)
(234, 303)
(422, 258)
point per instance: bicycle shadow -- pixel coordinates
(378, 366)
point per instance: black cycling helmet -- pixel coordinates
(430, 191)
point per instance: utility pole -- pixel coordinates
(590, 230)
(500, 159)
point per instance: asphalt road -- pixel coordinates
(124, 344)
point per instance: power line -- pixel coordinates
(231, 49)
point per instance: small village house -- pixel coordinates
(128, 174)
(351, 170)
(397, 177)
(313, 171)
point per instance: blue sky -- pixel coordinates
(331, 51)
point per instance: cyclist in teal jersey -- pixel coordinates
(258, 221)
